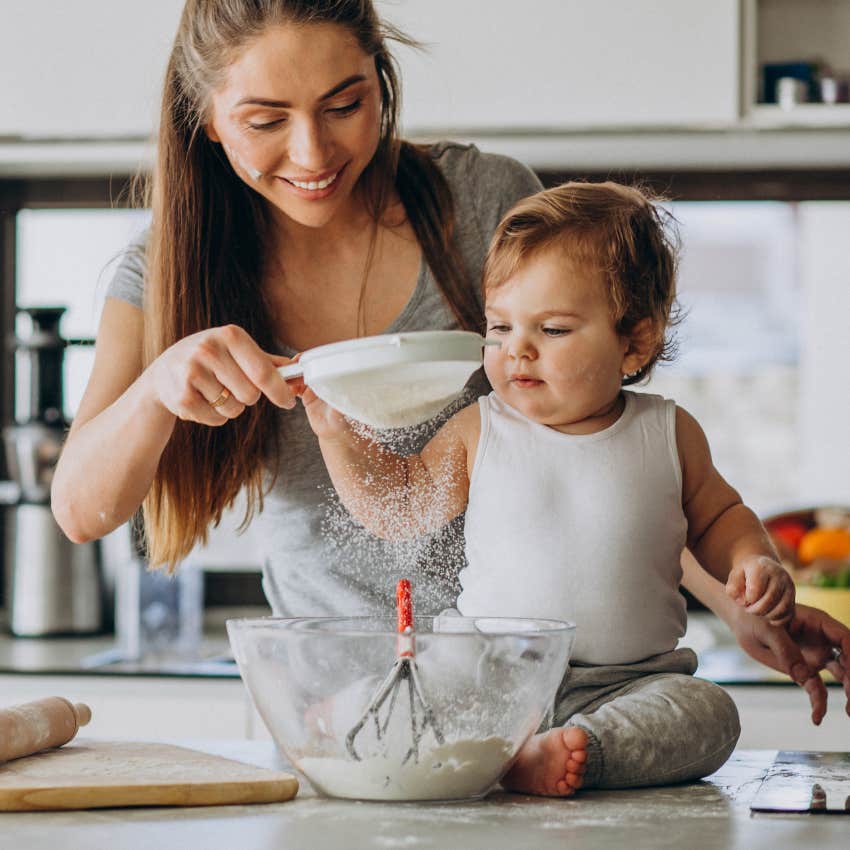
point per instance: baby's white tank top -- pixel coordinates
(587, 528)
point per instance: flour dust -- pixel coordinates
(431, 561)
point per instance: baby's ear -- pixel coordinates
(643, 342)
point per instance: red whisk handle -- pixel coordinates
(404, 605)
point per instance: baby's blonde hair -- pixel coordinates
(618, 230)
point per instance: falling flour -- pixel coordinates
(456, 770)
(432, 561)
(468, 766)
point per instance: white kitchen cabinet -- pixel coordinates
(567, 64)
(772, 717)
(90, 68)
(93, 68)
(145, 707)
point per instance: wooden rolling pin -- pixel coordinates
(40, 725)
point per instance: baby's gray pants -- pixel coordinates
(648, 723)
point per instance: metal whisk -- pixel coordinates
(404, 670)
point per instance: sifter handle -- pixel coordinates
(292, 370)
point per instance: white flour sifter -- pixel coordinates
(392, 380)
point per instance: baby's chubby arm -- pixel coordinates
(393, 496)
(725, 535)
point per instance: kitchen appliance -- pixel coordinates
(53, 586)
(391, 380)
(90, 774)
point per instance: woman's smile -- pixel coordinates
(315, 188)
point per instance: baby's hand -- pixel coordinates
(326, 422)
(763, 588)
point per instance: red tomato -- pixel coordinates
(789, 531)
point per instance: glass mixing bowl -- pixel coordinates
(488, 683)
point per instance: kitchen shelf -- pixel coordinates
(793, 31)
(769, 116)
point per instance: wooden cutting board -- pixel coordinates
(101, 774)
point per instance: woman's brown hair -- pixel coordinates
(206, 248)
(621, 231)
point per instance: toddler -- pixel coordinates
(580, 495)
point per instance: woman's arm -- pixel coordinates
(393, 496)
(127, 414)
(116, 439)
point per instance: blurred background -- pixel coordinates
(736, 110)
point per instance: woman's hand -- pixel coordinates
(213, 375)
(811, 642)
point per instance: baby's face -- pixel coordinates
(561, 360)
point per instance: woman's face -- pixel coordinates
(299, 118)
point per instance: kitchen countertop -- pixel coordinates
(709, 815)
(721, 660)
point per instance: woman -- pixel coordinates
(286, 214)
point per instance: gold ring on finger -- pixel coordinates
(221, 398)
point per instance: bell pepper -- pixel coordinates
(829, 543)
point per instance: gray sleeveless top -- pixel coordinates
(317, 560)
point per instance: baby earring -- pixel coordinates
(631, 374)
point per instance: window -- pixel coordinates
(739, 344)
(66, 257)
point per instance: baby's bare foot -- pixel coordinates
(551, 764)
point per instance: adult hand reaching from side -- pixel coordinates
(812, 641)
